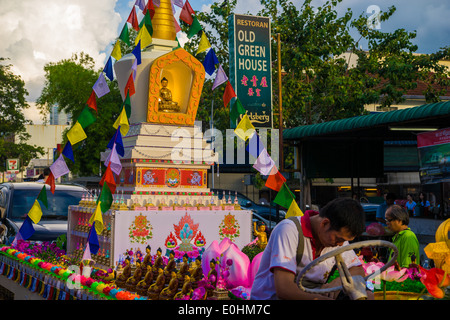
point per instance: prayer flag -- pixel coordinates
(275, 179)
(26, 230)
(116, 52)
(132, 19)
(134, 69)
(221, 77)
(204, 43)
(76, 134)
(255, 145)
(144, 37)
(178, 3)
(194, 28)
(177, 26)
(228, 94)
(51, 182)
(86, 118)
(125, 35)
(93, 240)
(35, 212)
(186, 13)
(122, 121)
(97, 219)
(129, 87)
(109, 69)
(137, 52)
(101, 87)
(264, 163)
(108, 177)
(140, 4)
(149, 8)
(294, 210)
(92, 103)
(127, 104)
(68, 152)
(245, 128)
(156, 3)
(113, 161)
(87, 253)
(284, 197)
(43, 196)
(105, 199)
(210, 62)
(147, 21)
(117, 139)
(59, 167)
(236, 110)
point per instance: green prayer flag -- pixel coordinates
(236, 110)
(127, 104)
(284, 197)
(43, 196)
(105, 199)
(124, 35)
(86, 118)
(194, 28)
(148, 23)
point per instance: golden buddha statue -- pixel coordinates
(260, 232)
(135, 278)
(186, 289)
(147, 259)
(196, 273)
(184, 269)
(126, 273)
(144, 284)
(165, 103)
(171, 264)
(158, 261)
(169, 292)
(155, 289)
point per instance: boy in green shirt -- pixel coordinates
(397, 220)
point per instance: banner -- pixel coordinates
(434, 156)
(251, 66)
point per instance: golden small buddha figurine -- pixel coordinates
(135, 278)
(211, 278)
(144, 284)
(171, 264)
(126, 273)
(196, 272)
(260, 232)
(169, 292)
(155, 289)
(147, 259)
(186, 289)
(158, 261)
(184, 269)
(165, 103)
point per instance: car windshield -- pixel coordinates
(58, 203)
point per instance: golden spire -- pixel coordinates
(163, 21)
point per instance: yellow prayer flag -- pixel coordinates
(245, 128)
(294, 210)
(35, 212)
(116, 52)
(144, 36)
(204, 43)
(76, 134)
(122, 121)
(97, 218)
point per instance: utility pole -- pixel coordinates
(280, 101)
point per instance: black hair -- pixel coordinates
(345, 213)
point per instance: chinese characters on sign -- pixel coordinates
(250, 67)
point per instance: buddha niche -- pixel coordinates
(165, 103)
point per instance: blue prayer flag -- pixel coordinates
(210, 62)
(255, 146)
(93, 240)
(117, 139)
(26, 230)
(68, 152)
(137, 52)
(109, 69)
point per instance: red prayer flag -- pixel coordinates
(108, 177)
(275, 181)
(186, 13)
(228, 94)
(132, 18)
(51, 182)
(92, 103)
(150, 7)
(129, 87)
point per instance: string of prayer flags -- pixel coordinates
(245, 128)
(237, 109)
(108, 178)
(275, 179)
(100, 86)
(117, 140)
(97, 219)
(108, 70)
(264, 163)
(294, 210)
(132, 19)
(35, 213)
(284, 197)
(42, 197)
(137, 52)
(92, 102)
(221, 77)
(59, 167)
(94, 245)
(125, 35)
(143, 37)
(51, 182)
(210, 62)
(122, 122)
(186, 13)
(194, 28)
(228, 94)
(86, 118)
(147, 21)
(129, 87)
(76, 134)
(204, 44)
(149, 8)
(116, 52)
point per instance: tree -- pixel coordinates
(68, 85)
(12, 119)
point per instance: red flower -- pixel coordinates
(435, 280)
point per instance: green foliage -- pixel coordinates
(12, 120)
(251, 250)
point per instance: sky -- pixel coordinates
(36, 32)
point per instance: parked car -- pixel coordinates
(266, 211)
(16, 200)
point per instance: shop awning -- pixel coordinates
(376, 124)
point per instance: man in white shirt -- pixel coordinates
(340, 221)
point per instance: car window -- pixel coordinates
(58, 203)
